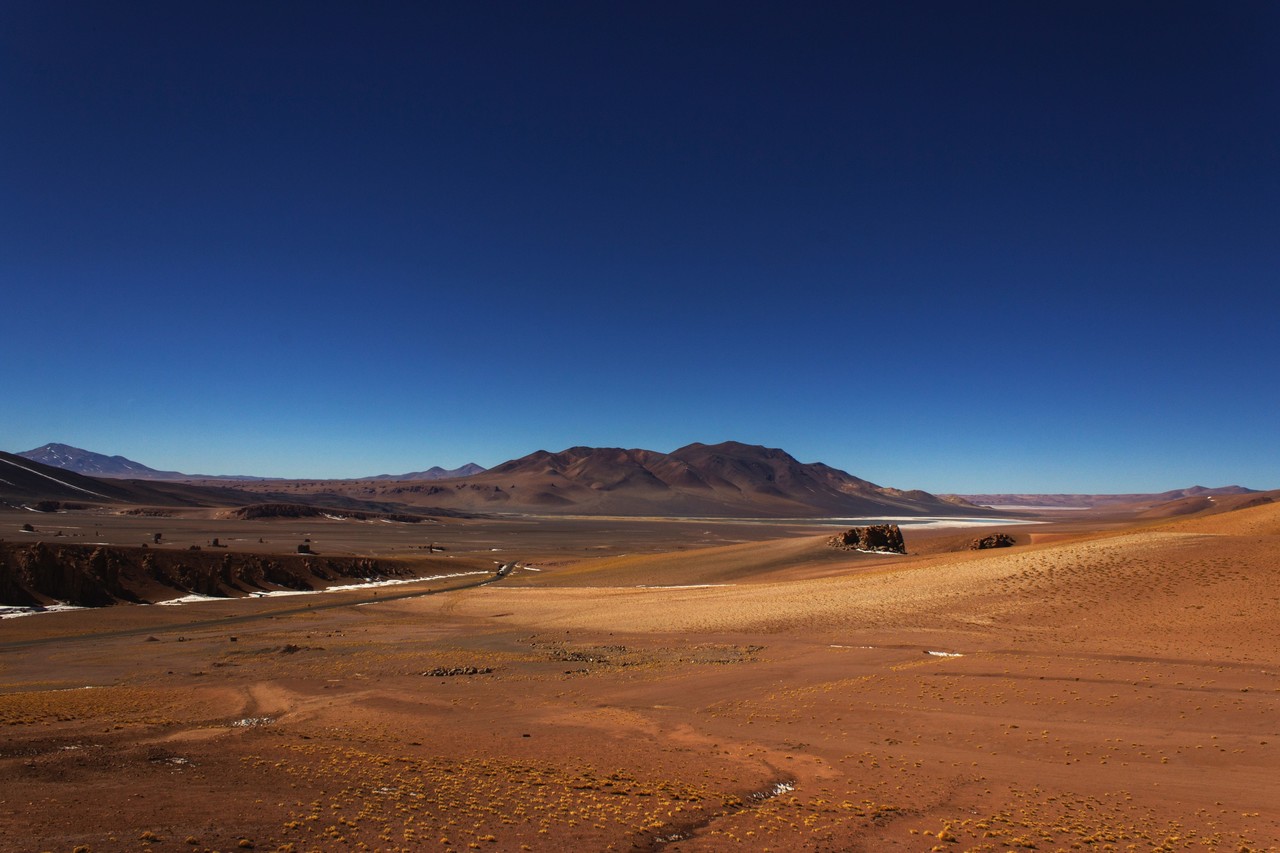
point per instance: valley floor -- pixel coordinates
(1115, 690)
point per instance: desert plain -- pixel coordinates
(1106, 684)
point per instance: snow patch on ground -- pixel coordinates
(192, 599)
(195, 598)
(370, 584)
(14, 611)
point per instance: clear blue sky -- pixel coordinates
(954, 246)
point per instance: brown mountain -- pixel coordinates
(728, 479)
(721, 480)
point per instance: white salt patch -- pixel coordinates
(1016, 507)
(946, 654)
(922, 522)
(967, 522)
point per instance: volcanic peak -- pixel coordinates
(730, 477)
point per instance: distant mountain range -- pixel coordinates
(728, 479)
(435, 473)
(26, 481)
(1096, 501)
(92, 464)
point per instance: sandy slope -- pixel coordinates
(1110, 692)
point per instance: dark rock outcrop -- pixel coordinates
(995, 540)
(78, 575)
(285, 510)
(884, 538)
(94, 576)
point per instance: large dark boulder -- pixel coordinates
(995, 540)
(884, 538)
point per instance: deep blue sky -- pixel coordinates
(954, 246)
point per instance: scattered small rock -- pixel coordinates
(252, 722)
(445, 671)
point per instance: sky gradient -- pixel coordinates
(970, 248)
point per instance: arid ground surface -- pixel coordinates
(660, 684)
